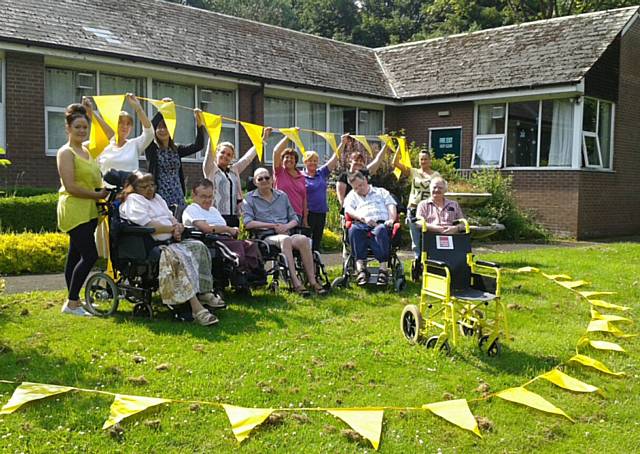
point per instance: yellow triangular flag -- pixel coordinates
(604, 345)
(405, 157)
(330, 138)
(110, 107)
(213, 123)
(367, 423)
(456, 412)
(255, 135)
(572, 284)
(365, 143)
(590, 294)
(555, 277)
(605, 305)
(124, 406)
(388, 141)
(243, 420)
(293, 135)
(168, 111)
(528, 269)
(595, 315)
(28, 392)
(590, 362)
(523, 396)
(563, 380)
(98, 140)
(603, 326)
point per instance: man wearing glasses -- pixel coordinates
(269, 210)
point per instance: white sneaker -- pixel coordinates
(75, 310)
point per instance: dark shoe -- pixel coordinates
(362, 278)
(383, 278)
(303, 292)
(321, 291)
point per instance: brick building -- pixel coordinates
(555, 103)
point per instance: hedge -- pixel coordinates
(36, 253)
(30, 214)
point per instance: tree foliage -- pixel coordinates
(377, 23)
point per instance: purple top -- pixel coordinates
(317, 190)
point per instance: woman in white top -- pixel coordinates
(125, 154)
(218, 168)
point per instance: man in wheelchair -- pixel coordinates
(203, 216)
(372, 211)
(269, 211)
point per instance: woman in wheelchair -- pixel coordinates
(185, 267)
(438, 212)
(269, 210)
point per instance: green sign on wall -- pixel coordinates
(447, 141)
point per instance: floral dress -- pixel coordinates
(168, 178)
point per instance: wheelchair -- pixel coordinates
(459, 297)
(395, 266)
(279, 269)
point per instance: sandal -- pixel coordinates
(362, 278)
(383, 278)
(303, 292)
(205, 318)
(320, 290)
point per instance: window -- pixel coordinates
(522, 134)
(313, 115)
(183, 95)
(597, 127)
(278, 113)
(342, 119)
(489, 143)
(556, 133)
(117, 85)
(220, 102)
(63, 87)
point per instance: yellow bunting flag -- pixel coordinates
(255, 135)
(603, 345)
(527, 269)
(293, 135)
(590, 362)
(213, 123)
(595, 315)
(456, 412)
(110, 107)
(28, 392)
(98, 140)
(367, 423)
(605, 305)
(563, 380)
(603, 326)
(243, 420)
(555, 277)
(330, 138)
(365, 144)
(405, 157)
(523, 396)
(168, 111)
(590, 294)
(388, 141)
(572, 284)
(124, 406)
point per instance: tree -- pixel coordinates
(329, 18)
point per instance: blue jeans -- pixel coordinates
(416, 238)
(361, 242)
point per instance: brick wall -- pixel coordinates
(610, 202)
(416, 121)
(25, 123)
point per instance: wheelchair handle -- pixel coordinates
(489, 264)
(436, 263)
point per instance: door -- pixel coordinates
(446, 141)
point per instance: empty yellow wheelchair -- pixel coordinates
(459, 297)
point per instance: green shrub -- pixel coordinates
(22, 253)
(29, 192)
(31, 214)
(333, 216)
(331, 241)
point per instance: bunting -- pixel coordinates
(523, 396)
(213, 123)
(244, 420)
(405, 158)
(28, 392)
(363, 140)
(563, 380)
(456, 412)
(590, 362)
(110, 107)
(124, 406)
(98, 140)
(367, 423)
(294, 135)
(255, 135)
(331, 140)
(168, 111)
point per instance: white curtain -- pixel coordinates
(561, 133)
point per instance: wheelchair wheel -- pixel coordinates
(340, 282)
(412, 323)
(493, 350)
(101, 295)
(143, 310)
(433, 341)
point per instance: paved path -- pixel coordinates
(30, 283)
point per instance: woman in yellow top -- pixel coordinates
(81, 187)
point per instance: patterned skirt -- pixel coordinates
(184, 271)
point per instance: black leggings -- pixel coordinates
(81, 257)
(317, 222)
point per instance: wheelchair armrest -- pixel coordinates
(488, 264)
(137, 230)
(192, 232)
(437, 263)
(217, 236)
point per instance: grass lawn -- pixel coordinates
(345, 350)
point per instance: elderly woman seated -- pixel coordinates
(438, 212)
(269, 209)
(185, 267)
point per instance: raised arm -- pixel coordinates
(186, 150)
(277, 153)
(209, 166)
(341, 192)
(373, 166)
(95, 116)
(248, 157)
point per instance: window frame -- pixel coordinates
(489, 137)
(596, 135)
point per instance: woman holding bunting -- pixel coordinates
(125, 154)
(316, 180)
(288, 179)
(81, 187)
(164, 158)
(219, 168)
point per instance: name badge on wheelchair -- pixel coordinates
(444, 242)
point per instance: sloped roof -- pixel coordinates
(555, 51)
(532, 54)
(169, 33)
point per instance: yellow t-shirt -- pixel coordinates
(73, 211)
(419, 186)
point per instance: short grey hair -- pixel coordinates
(438, 180)
(259, 170)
